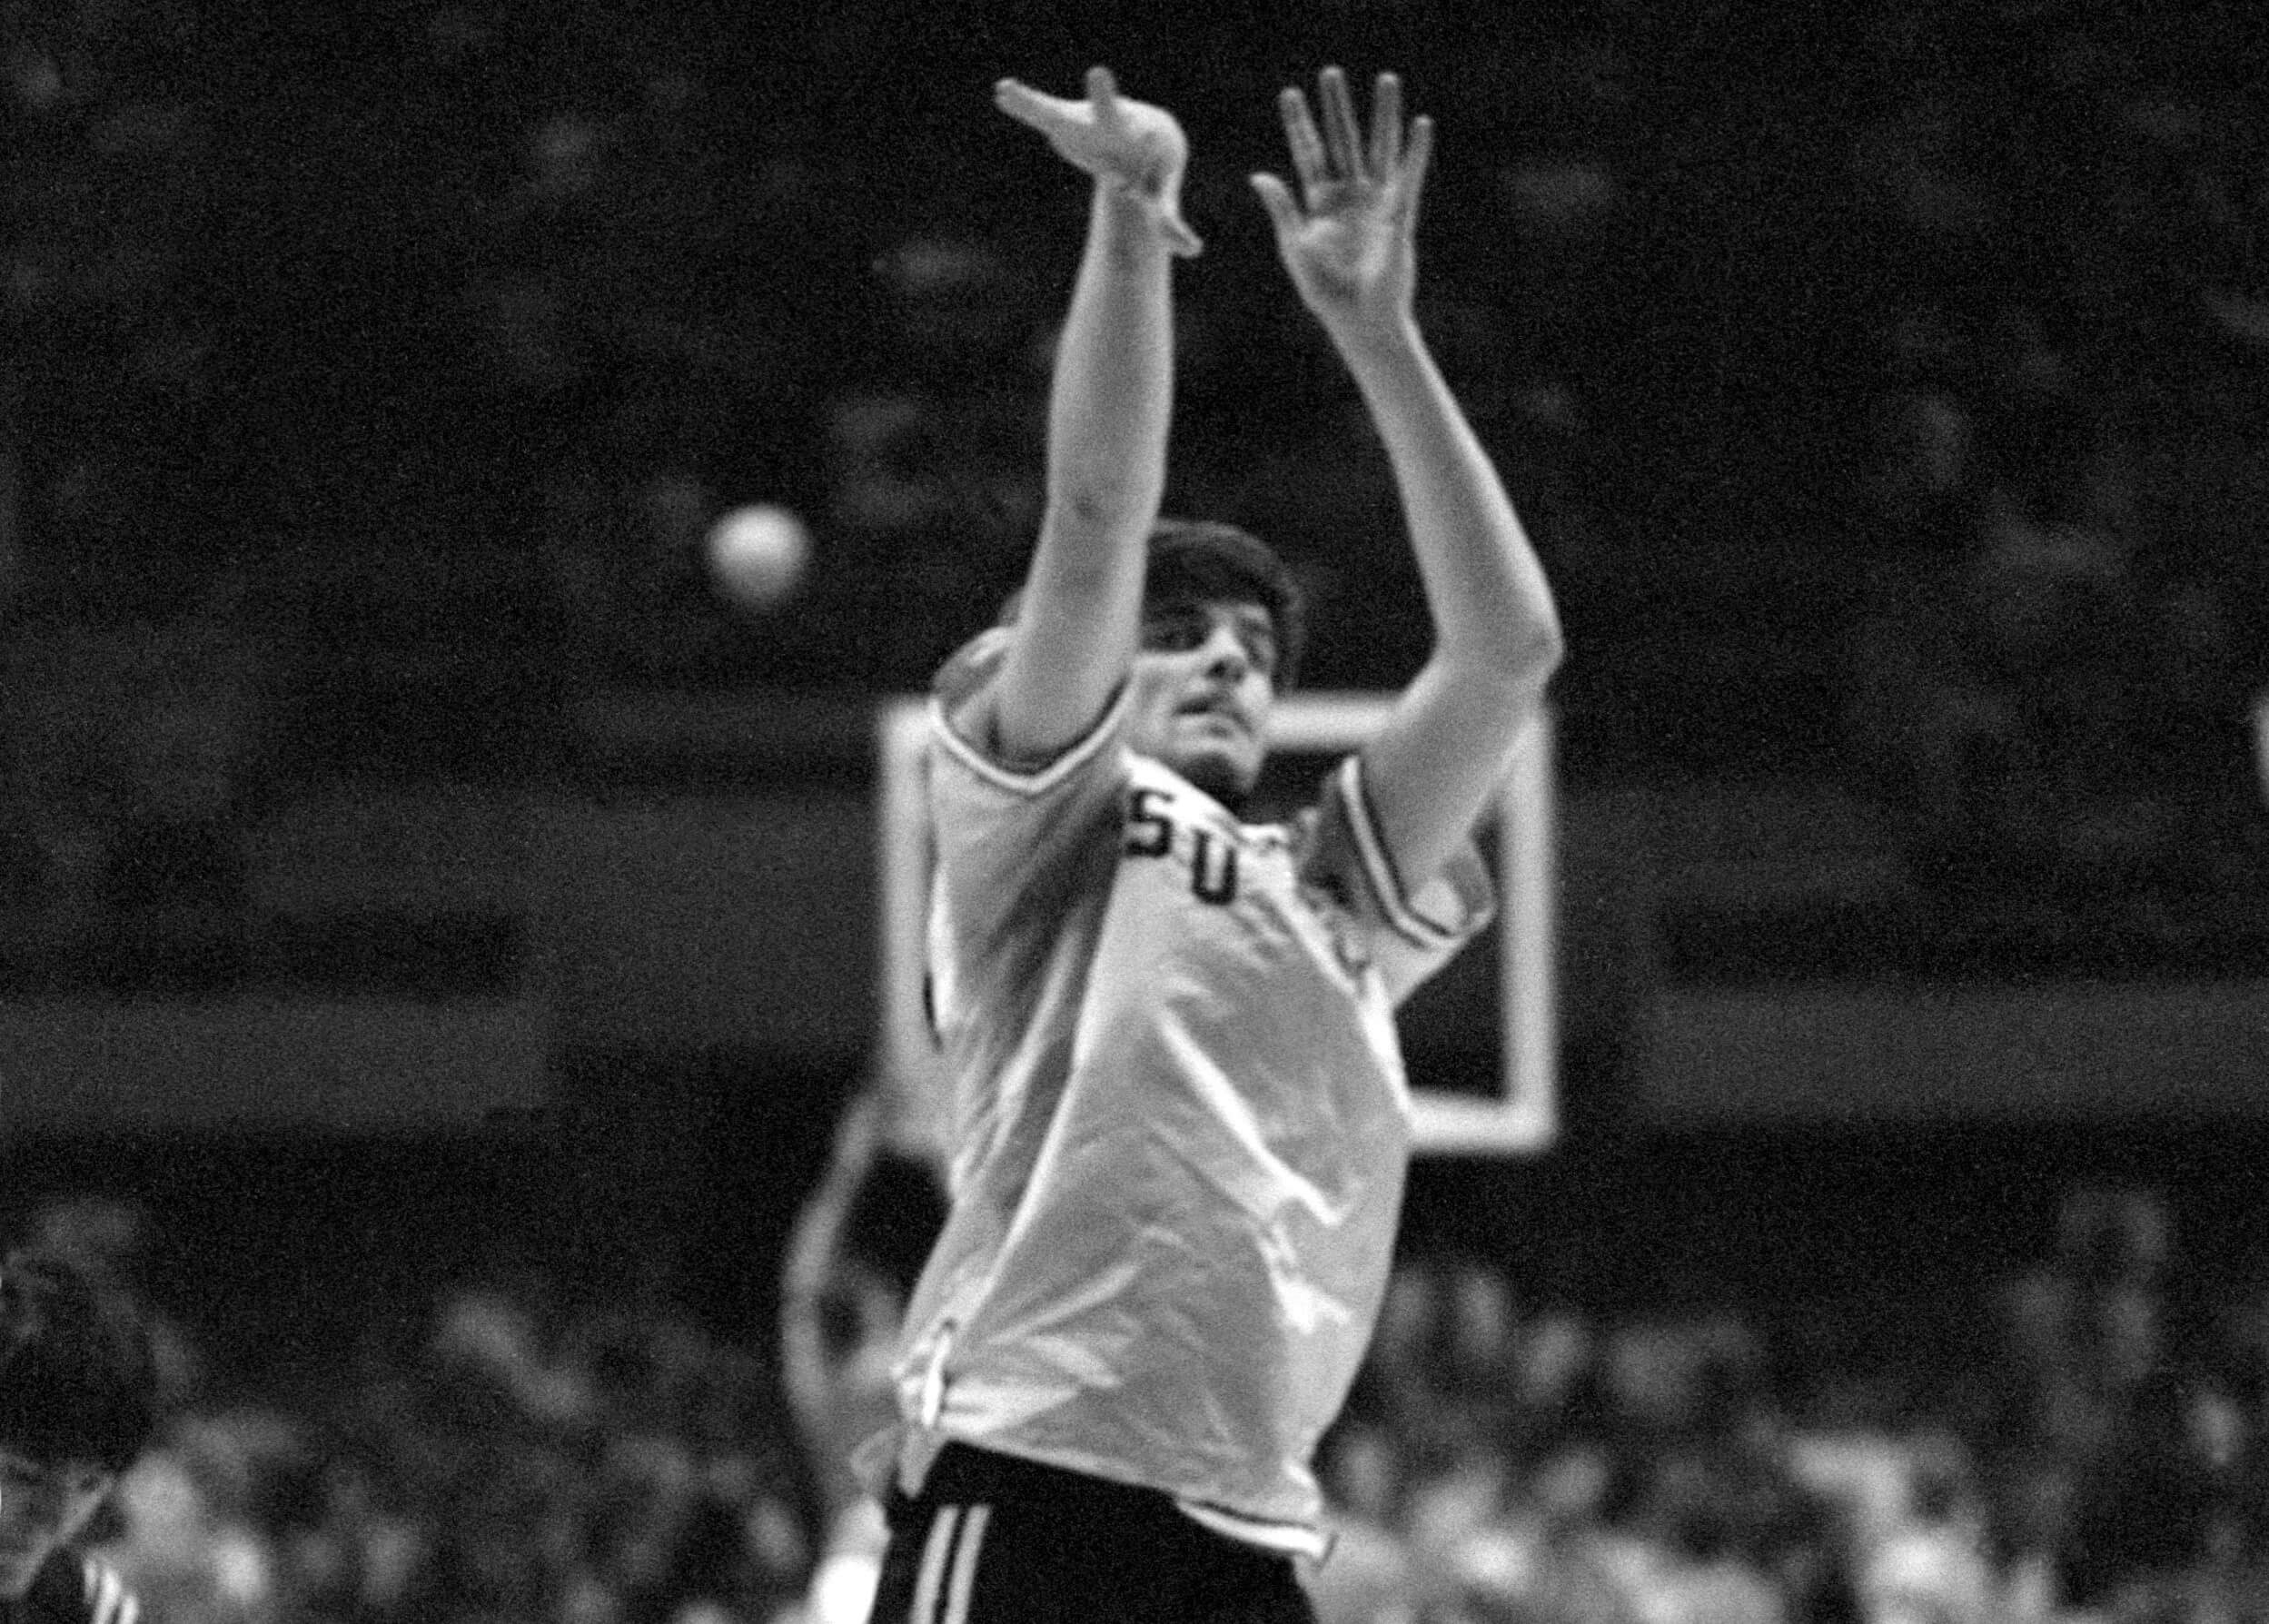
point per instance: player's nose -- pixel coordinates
(1225, 655)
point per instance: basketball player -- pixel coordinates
(1179, 1121)
(77, 1404)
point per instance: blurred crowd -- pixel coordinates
(1786, 336)
(587, 1468)
(2088, 1448)
(2083, 1443)
(1882, 391)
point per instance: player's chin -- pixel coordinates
(1226, 771)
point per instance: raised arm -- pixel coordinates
(1347, 241)
(1107, 421)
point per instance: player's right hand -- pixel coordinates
(1124, 143)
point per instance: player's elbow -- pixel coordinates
(1099, 499)
(1538, 652)
(1521, 660)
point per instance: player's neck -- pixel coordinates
(1226, 787)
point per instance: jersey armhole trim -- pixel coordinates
(1386, 880)
(1041, 780)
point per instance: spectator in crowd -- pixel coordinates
(2090, 1451)
(78, 1396)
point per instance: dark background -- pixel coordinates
(1883, 391)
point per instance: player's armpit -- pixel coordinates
(1438, 764)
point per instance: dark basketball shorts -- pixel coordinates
(992, 1540)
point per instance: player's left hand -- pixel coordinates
(1349, 239)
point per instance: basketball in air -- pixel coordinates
(757, 555)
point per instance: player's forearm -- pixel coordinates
(1492, 606)
(1111, 396)
(1107, 417)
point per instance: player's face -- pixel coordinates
(43, 1505)
(1204, 680)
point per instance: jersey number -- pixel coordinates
(1150, 834)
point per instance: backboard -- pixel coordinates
(1479, 1039)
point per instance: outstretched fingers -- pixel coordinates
(1103, 95)
(1410, 179)
(1386, 126)
(1343, 131)
(1283, 214)
(1311, 165)
(1057, 115)
(1328, 142)
(1028, 106)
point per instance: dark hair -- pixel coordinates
(77, 1378)
(1199, 560)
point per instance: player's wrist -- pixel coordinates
(1135, 218)
(1385, 335)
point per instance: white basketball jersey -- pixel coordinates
(1179, 1128)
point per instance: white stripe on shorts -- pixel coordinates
(965, 1575)
(949, 1565)
(107, 1599)
(930, 1577)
